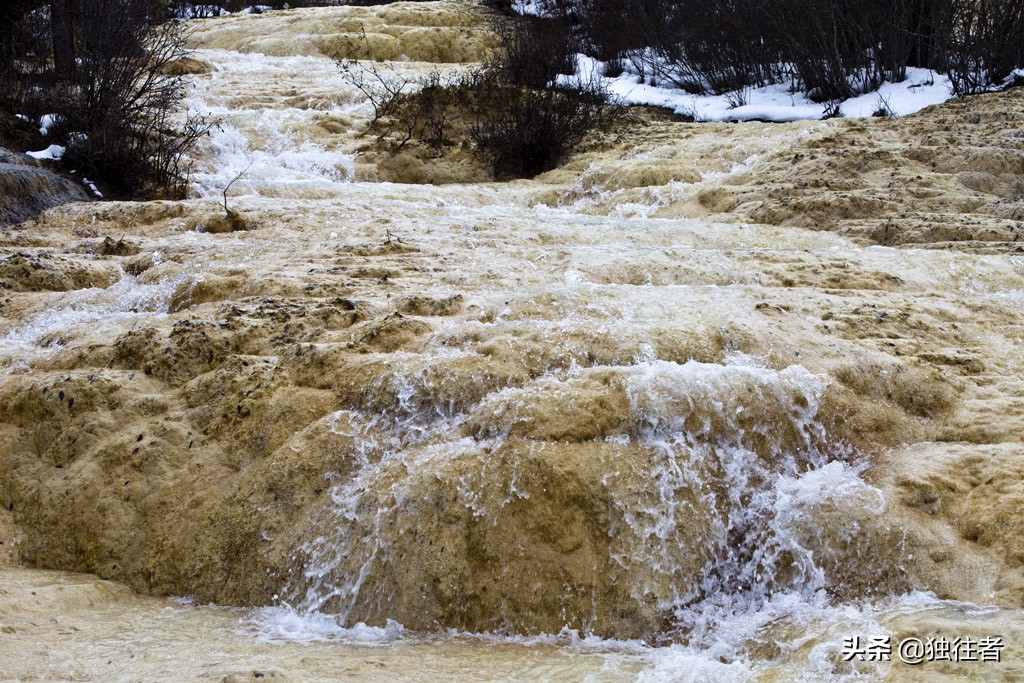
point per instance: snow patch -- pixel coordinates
(48, 121)
(537, 8)
(777, 103)
(53, 153)
(198, 11)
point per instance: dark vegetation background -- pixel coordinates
(526, 119)
(105, 66)
(834, 49)
(102, 67)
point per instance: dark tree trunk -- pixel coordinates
(63, 39)
(6, 45)
(11, 12)
(922, 23)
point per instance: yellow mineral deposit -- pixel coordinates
(700, 404)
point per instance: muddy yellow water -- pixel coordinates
(700, 405)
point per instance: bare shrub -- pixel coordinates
(738, 98)
(407, 108)
(196, 10)
(613, 68)
(841, 48)
(526, 119)
(615, 27)
(126, 107)
(882, 108)
(525, 131)
(981, 41)
(427, 114)
(381, 86)
(833, 109)
(533, 50)
(116, 108)
(697, 46)
(500, 6)
(521, 118)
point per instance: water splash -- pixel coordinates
(285, 624)
(77, 312)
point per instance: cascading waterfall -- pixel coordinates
(261, 141)
(717, 481)
(724, 493)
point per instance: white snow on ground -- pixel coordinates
(53, 152)
(921, 89)
(1017, 75)
(207, 11)
(535, 7)
(48, 121)
(199, 11)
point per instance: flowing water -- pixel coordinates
(530, 431)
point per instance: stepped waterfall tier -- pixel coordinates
(704, 403)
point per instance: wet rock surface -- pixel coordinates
(26, 189)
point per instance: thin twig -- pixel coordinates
(233, 180)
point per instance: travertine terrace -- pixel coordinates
(699, 366)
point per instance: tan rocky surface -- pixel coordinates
(948, 177)
(519, 406)
(434, 32)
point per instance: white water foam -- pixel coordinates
(266, 148)
(75, 312)
(284, 623)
